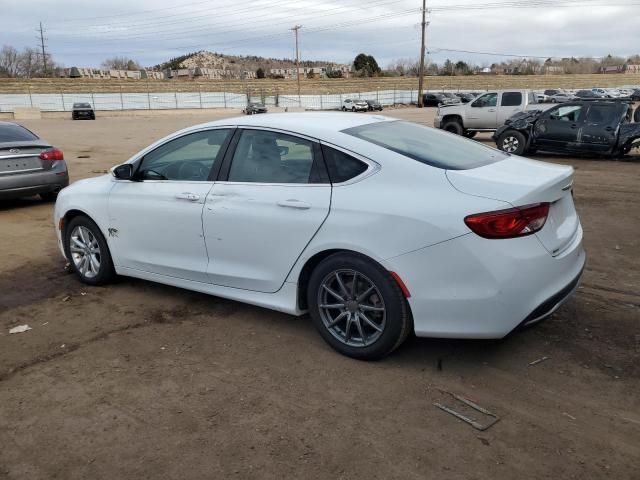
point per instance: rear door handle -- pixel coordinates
(191, 197)
(293, 203)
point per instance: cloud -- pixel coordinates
(85, 33)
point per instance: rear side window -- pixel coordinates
(342, 167)
(511, 99)
(427, 145)
(601, 114)
(10, 132)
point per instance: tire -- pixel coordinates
(49, 196)
(553, 100)
(453, 126)
(93, 117)
(73, 117)
(469, 134)
(512, 142)
(357, 337)
(344, 109)
(353, 109)
(85, 231)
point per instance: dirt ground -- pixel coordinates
(139, 380)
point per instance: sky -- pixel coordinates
(84, 33)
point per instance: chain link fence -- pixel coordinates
(63, 101)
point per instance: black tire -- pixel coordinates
(93, 116)
(353, 109)
(513, 142)
(469, 134)
(397, 324)
(106, 273)
(453, 126)
(73, 116)
(49, 196)
(344, 109)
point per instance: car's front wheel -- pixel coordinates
(453, 126)
(87, 251)
(358, 307)
(512, 142)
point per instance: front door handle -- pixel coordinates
(574, 126)
(492, 110)
(191, 197)
(293, 203)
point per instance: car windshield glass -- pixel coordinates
(427, 145)
(81, 105)
(15, 133)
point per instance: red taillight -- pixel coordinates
(510, 223)
(52, 155)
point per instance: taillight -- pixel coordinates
(510, 223)
(52, 155)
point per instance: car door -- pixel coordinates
(559, 128)
(155, 221)
(272, 197)
(510, 104)
(600, 130)
(483, 112)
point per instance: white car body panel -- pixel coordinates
(403, 214)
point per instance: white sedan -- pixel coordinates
(377, 227)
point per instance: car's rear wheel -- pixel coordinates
(357, 306)
(453, 126)
(49, 196)
(353, 109)
(87, 251)
(513, 142)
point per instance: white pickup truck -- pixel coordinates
(486, 113)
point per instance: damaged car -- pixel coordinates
(582, 127)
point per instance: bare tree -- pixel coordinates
(9, 61)
(29, 63)
(120, 63)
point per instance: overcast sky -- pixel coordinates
(84, 33)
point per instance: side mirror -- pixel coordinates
(123, 172)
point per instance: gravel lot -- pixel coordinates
(139, 380)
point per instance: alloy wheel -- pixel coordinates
(352, 308)
(510, 144)
(85, 251)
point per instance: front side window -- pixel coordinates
(569, 113)
(187, 158)
(427, 145)
(271, 157)
(486, 100)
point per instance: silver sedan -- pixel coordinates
(29, 165)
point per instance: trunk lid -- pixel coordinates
(22, 158)
(521, 182)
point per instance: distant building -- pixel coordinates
(632, 68)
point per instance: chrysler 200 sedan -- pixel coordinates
(377, 227)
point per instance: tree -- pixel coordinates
(120, 63)
(366, 65)
(260, 73)
(9, 61)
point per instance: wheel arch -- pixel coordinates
(72, 213)
(453, 117)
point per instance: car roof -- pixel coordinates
(320, 125)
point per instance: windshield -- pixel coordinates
(427, 145)
(81, 105)
(10, 132)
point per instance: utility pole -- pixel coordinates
(44, 54)
(422, 48)
(295, 29)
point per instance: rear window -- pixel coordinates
(15, 133)
(427, 145)
(342, 167)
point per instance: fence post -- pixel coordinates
(394, 95)
(93, 101)
(30, 98)
(175, 95)
(321, 107)
(224, 97)
(64, 109)
(200, 94)
(378, 94)
(121, 100)
(148, 95)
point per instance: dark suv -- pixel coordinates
(82, 110)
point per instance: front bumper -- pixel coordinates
(437, 122)
(471, 287)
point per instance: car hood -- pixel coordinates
(523, 119)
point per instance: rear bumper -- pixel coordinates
(15, 186)
(471, 287)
